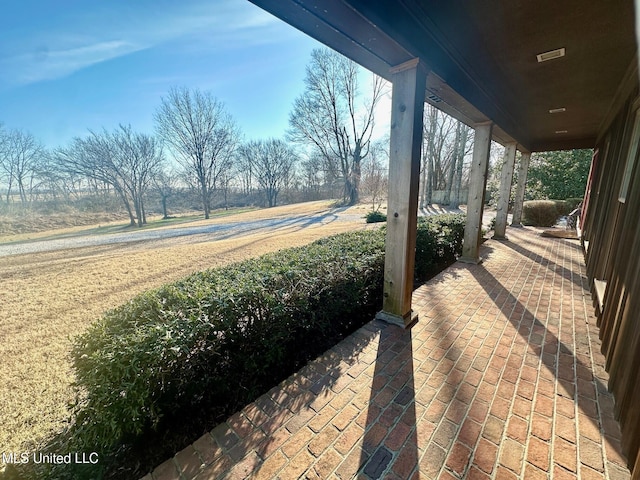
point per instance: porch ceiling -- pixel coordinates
(483, 55)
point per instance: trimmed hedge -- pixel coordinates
(565, 207)
(438, 243)
(545, 213)
(541, 213)
(220, 338)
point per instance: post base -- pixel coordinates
(501, 238)
(473, 261)
(407, 321)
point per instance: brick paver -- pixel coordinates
(502, 377)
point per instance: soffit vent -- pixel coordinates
(550, 55)
(434, 98)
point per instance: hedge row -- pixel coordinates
(220, 338)
(545, 213)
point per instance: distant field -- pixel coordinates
(47, 298)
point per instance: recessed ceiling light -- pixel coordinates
(561, 131)
(558, 110)
(550, 55)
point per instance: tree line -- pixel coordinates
(198, 148)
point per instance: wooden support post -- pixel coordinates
(477, 188)
(516, 221)
(407, 108)
(506, 178)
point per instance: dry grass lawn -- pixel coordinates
(48, 298)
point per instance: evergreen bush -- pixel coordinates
(375, 216)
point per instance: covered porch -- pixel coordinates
(502, 378)
(534, 77)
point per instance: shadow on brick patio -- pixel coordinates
(502, 377)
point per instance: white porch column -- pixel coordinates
(407, 107)
(506, 178)
(477, 188)
(522, 182)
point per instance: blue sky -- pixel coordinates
(67, 66)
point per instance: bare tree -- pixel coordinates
(165, 182)
(330, 116)
(201, 135)
(273, 165)
(5, 171)
(428, 154)
(311, 175)
(93, 158)
(375, 176)
(452, 169)
(245, 172)
(123, 159)
(438, 153)
(57, 184)
(21, 156)
(460, 153)
(138, 158)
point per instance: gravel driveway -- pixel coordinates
(218, 231)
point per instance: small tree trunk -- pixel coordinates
(459, 166)
(433, 124)
(452, 167)
(205, 200)
(127, 204)
(165, 215)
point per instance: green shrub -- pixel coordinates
(219, 338)
(438, 243)
(541, 213)
(375, 216)
(565, 207)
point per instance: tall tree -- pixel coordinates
(438, 153)
(452, 169)
(272, 164)
(332, 117)
(201, 135)
(428, 154)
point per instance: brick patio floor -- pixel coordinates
(501, 378)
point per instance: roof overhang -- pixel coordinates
(483, 61)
